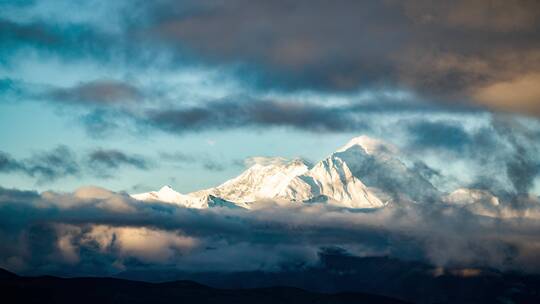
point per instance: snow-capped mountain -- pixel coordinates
(330, 180)
(259, 182)
(364, 173)
(379, 165)
(167, 195)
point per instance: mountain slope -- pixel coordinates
(331, 180)
(378, 165)
(259, 182)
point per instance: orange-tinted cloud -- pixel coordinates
(521, 94)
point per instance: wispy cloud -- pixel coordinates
(44, 166)
(61, 162)
(103, 161)
(503, 152)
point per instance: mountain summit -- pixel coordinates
(167, 195)
(370, 145)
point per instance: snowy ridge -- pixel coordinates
(167, 195)
(332, 179)
(259, 182)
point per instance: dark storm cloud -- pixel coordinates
(62, 162)
(450, 50)
(103, 91)
(289, 38)
(95, 231)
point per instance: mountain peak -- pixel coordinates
(369, 144)
(166, 188)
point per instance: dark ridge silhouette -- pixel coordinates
(48, 289)
(409, 281)
(5, 275)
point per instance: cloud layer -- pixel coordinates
(95, 231)
(450, 51)
(455, 52)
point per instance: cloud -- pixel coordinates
(231, 114)
(96, 231)
(518, 95)
(210, 164)
(247, 112)
(53, 164)
(454, 52)
(73, 41)
(44, 166)
(8, 164)
(100, 122)
(502, 152)
(523, 163)
(62, 162)
(499, 16)
(103, 91)
(442, 134)
(102, 161)
(12, 32)
(265, 161)
(442, 51)
(145, 244)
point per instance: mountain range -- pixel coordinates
(364, 173)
